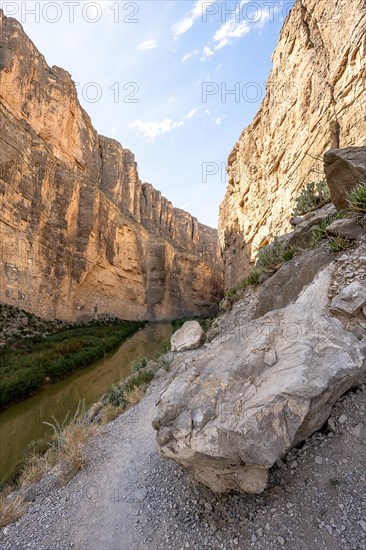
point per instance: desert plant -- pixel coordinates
(337, 244)
(273, 255)
(11, 508)
(139, 363)
(312, 196)
(115, 397)
(357, 199)
(320, 230)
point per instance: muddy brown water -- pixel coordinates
(24, 422)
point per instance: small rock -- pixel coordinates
(342, 419)
(281, 540)
(319, 460)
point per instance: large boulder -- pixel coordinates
(344, 169)
(190, 336)
(232, 410)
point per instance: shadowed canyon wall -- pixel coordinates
(80, 234)
(315, 100)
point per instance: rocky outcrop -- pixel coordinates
(80, 234)
(189, 336)
(315, 100)
(344, 170)
(271, 376)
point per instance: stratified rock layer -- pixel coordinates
(315, 100)
(80, 234)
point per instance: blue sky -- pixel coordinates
(157, 75)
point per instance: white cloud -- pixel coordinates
(189, 55)
(152, 129)
(148, 45)
(218, 121)
(191, 113)
(228, 32)
(187, 22)
(207, 52)
(237, 27)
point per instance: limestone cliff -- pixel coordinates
(80, 234)
(315, 100)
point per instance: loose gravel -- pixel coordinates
(128, 498)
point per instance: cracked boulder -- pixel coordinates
(189, 336)
(236, 407)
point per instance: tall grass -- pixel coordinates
(26, 364)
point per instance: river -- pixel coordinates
(23, 422)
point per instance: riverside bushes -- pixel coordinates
(26, 364)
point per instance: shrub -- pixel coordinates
(273, 255)
(115, 397)
(25, 363)
(319, 232)
(357, 199)
(337, 244)
(311, 197)
(139, 379)
(139, 363)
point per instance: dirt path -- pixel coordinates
(128, 498)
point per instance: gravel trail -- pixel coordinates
(128, 498)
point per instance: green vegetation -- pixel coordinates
(27, 363)
(270, 259)
(357, 199)
(337, 244)
(273, 255)
(319, 232)
(313, 196)
(118, 395)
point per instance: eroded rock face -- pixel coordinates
(238, 406)
(315, 100)
(189, 336)
(344, 170)
(80, 234)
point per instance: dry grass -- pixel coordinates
(135, 395)
(109, 413)
(71, 449)
(34, 468)
(11, 509)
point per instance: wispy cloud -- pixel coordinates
(150, 130)
(148, 45)
(235, 28)
(189, 55)
(187, 22)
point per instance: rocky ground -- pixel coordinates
(128, 498)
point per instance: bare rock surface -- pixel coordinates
(231, 412)
(189, 336)
(315, 100)
(350, 300)
(81, 235)
(344, 170)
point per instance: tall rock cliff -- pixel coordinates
(315, 100)
(80, 234)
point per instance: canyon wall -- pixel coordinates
(315, 100)
(80, 234)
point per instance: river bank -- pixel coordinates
(23, 422)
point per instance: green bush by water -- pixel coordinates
(26, 364)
